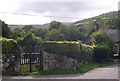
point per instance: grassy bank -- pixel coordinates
(82, 69)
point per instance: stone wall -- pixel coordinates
(10, 64)
(10, 55)
(53, 61)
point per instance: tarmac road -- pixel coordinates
(109, 72)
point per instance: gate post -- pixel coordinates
(30, 63)
(41, 60)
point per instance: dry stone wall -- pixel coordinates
(54, 61)
(10, 64)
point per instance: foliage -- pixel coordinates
(70, 49)
(113, 23)
(55, 25)
(74, 34)
(101, 53)
(101, 38)
(104, 43)
(56, 32)
(39, 32)
(18, 32)
(105, 17)
(101, 22)
(89, 25)
(20, 41)
(6, 32)
(54, 35)
(27, 28)
(9, 46)
(64, 30)
(71, 33)
(29, 40)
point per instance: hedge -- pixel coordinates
(101, 53)
(9, 46)
(76, 50)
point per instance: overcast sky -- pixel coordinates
(77, 9)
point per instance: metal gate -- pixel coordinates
(31, 59)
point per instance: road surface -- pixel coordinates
(107, 72)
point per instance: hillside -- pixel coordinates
(105, 16)
(12, 27)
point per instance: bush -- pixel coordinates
(9, 46)
(101, 53)
(102, 39)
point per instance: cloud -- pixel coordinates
(8, 6)
(23, 19)
(66, 9)
(73, 8)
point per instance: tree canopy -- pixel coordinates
(6, 32)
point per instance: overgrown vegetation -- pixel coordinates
(76, 50)
(104, 46)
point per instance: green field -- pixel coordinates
(26, 67)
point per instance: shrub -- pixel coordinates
(102, 39)
(9, 46)
(101, 53)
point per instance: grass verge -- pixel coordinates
(82, 69)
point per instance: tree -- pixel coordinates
(55, 35)
(27, 28)
(39, 32)
(90, 24)
(29, 40)
(65, 30)
(101, 22)
(6, 32)
(55, 25)
(18, 32)
(75, 34)
(113, 23)
(30, 43)
(102, 39)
